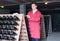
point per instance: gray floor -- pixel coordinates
(55, 36)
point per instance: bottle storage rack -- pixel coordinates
(13, 28)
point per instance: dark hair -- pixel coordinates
(34, 3)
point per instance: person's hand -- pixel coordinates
(27, 16)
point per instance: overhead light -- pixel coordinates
(2, 6)
(46, 3)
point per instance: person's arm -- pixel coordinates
(28, 16)
(36, 18)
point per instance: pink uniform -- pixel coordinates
(34, 23)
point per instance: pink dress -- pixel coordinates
(34, 23)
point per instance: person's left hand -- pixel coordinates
(27, 16)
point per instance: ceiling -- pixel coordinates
(14, 2)
(8, 2)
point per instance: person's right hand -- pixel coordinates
(27, 16)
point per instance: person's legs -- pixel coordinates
(34, 39)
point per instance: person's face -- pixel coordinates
(33, 6)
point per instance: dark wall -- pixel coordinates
(56, 22)
(55, 16)
(4, 11)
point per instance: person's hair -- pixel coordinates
(34, 3)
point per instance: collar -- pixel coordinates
(34, 11)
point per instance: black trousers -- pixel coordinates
(34, 39)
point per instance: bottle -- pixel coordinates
(0, 18)
(12, 33)
(1, 27)
(15, 18)
(8, 22)
(11, 38)
(8, 27)
(14, 23)
(13, 27)
(5, 22)
(0, 31)
(7, 17)
(4, 27)
(4, 32)
(0, 37)
(1, 22)
(4, 18)
(10, 17)
(8, 32)
(5, 37)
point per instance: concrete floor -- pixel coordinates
(55, 36)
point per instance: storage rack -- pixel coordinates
(11, 28)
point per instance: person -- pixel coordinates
(33, 17)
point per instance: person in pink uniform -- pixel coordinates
(33, 17)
